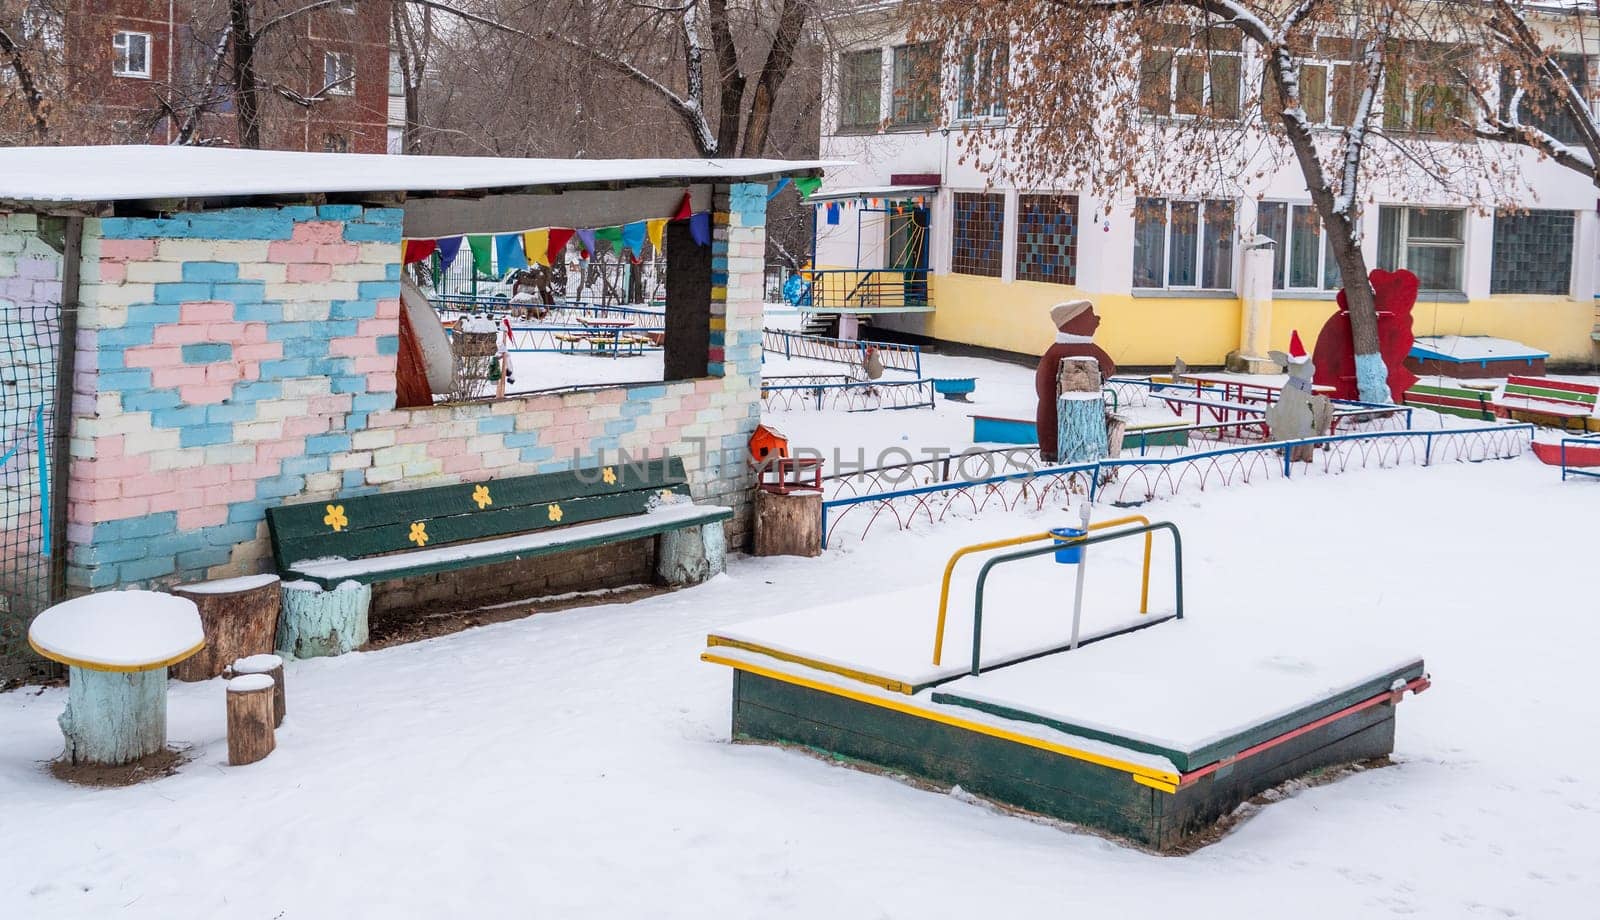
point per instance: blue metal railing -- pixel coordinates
(895, 357)
(1586, 440)
(850, 395)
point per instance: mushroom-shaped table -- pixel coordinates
(117, 645)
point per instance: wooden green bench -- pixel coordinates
(391, 535)
(1452, 400)
(1539, 399)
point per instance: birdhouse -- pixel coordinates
(767, 444)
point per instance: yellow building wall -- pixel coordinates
(1151, 331)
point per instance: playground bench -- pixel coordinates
(373, 538)
(1538, 396)
(1451, 400)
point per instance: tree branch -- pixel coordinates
(29, 86)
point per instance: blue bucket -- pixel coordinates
(1068, 555)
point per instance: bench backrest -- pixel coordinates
(1577, 395)
(371, 525)
(1451, 400)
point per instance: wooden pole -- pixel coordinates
(250, 736)
(272, 666)
(239, 617)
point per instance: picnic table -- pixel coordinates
(609, 332)
(1238, 389)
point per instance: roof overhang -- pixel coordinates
(873, 191)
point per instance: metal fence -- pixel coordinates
(840, 393)
(30, 338)
(856, 502)
(895, 357)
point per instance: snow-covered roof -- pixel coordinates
(873, 191)
(132, 173)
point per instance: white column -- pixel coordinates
(1008, 237)
(1585, 256)
(1478, 255)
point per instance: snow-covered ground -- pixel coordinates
(577, 764)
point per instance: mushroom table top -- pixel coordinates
(119, 631)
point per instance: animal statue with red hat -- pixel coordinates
(1299, 411)
(1335, 356)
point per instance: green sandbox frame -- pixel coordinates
(1053, 784)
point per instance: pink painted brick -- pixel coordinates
(282, 251)
(380, 383)
(259, 351)
(608, 397)
(177, 335)
(150, 484)
(196, 518)
(444, 447)
(152, 356)
(391, 419)
(222, 372)
(254, 333)
(354, 347)
(96, 490)
(339, 253)
(128, 250)
(464, 463)
(663, 436)
(206, 311)
(225, 332)
(108, 447)
(306, 424)
(205, 394)
(252, 371)
(556, 434)
(573, 415)
(373, 363)
(119, 509)
(389, 308)
(708, 385)
(309, 272)
(183, 375)
(338, 402)
(681, 417)
(696, 401)
(81, 515)
(113, 272)
(277, 450)
(374, 327)
(202, 476)
(79, 533)
(119, 467)
(415, 434)
(319, 231)
(229, 492)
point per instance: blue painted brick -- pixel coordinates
(147, 314)
(372, 233)
(247, 312)
(373, 402)
(339, 212)
(307, 347)
(305, 466)
(207, 352)
(618, 426)
(175, 292)
(230, 412)
(136, 228)
(198, 559)
(117, 551)
(330, 367)
(127, 336)
(151, 525)
(181, 417)
(631, 410)
(242, 224)
(536, 454)
(354, 479)
(255, 390)
(522, 439)
(639, 394)
(229, 534)
(100, 576)
(714, 369)
(149, 400)
(390, 217)
(497, 424)
(378, 289)
(353, 309)
(335, 328)
(279, 332)
(204, 435)
(300, 212)
(280, 486)
(327, 443)
(210, 271)
(349, 384)
(238, 291)
(240, 512)
(124, 381)
(154, 566)
(391, 271)
(355, 421)
(289, 367)
(111, 360)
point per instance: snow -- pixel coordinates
(1472, 348)
(229, 585)
(664, 514)
(118, 629)
(121, 173)
(250, 683)
(257, 664)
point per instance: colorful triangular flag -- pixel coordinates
(612, 236)
(700, 228)
(557, 249)
(654, 229)
(417, 250)
(448, 249)
(508, 252)
(685, 209)
(536, 243)
(806, 185)
(482, 254)
(586, 240)
(633, 237)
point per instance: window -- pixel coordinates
(130, 54)
(1540, 105)
(338, 73)
(1190, 75)
(1329, 78)
(982, 86)
(1183, 244)
(916, 84)
(1302, 260)
(1427, 241)
(335, 143)
(1047, 238)
(1424, 100)
(1532, 253)
(860, 89)
(978, 239)
(397, 79)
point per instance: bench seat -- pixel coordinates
(333, 571)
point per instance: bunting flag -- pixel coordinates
(449, 247)
(700, 228)
(833, 213)
(557, 251)
(508, 252)
(482, 254)
(633, 237)
(586, 240)
(611, 236)
(685, 208)
(806, 185)
(417, 250)
(777, 188)
(654, 229)
(536, 243)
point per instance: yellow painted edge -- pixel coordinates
(1167, 781)
(118, 668)
(875, 680)
(1154, 783)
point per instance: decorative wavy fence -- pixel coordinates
(856, 503)
(838, 392)
(568, 312)
(840, 351)
(568, 338)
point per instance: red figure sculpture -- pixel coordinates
(1075, 323)
(1335, 356)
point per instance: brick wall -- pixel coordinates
(234, 360)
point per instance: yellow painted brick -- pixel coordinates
(400, 454)
(372, 440)
(381, 474)
(324, 484)
(282, 408)
(270, 272)
(151, 441)
(424, 469)
(182, 459)
(154, 272)
(229, 454)
(296, 387)
(355, 460)
(116, 295)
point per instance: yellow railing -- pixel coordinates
(950, 567)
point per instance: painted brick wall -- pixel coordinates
(234, 360)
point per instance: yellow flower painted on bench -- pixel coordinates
(555, 513)
(419, 533)
(481, 496)
(335, 518)
(609, 475)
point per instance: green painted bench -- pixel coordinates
(390, 535)
(1539, 399)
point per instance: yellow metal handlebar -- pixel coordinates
(950, 567)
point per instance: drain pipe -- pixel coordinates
(1083, 562)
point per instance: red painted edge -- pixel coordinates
(1545, 383)
(1388, 696)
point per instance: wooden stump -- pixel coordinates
(317, 623)
(114, 717)
(272, 666)
(239, 617)
(250, 735)
(788, 525)
(691, 555)
(1080, 412)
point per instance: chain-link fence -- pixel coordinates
(29, 350)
